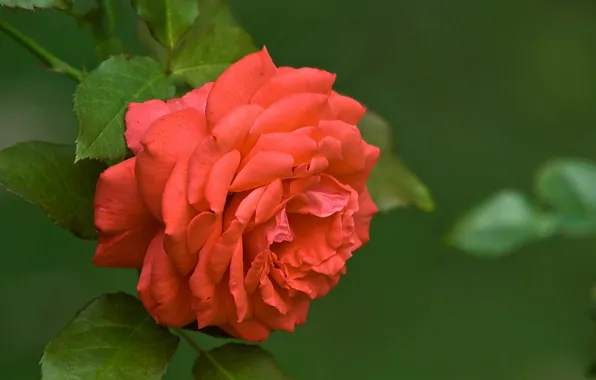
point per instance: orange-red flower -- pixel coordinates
(244, 200)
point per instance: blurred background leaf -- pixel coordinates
(569, 187)
(501, 224)
(391, 184)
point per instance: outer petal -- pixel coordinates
(236, 86)
(364, 216)
(197, 98)
(171, 138)
(357, 180)
(165, 294)
(296, 81)
(139, 118)
(125, 226)
(250, 330)
(345, 109)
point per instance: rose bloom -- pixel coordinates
(243, 201)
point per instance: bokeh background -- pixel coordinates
(479, 93)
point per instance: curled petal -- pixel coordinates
(302, 147)
(263, 168)
(269, 201)
(237, 286)
(231, 130)
(290, 113)
(352, 146)
(294, 81)
(219, 180)
(236, 86)
(199, 230)
(344, 108)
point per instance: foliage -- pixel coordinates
(566, 190)
(189, 43)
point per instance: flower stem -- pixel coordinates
(55, 63)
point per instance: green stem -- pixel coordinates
(42, 54)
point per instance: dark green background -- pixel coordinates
(479, 92)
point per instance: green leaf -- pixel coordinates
(391, 184)
(168, 20)
(45, 174)
(150, 46)
(33, 4)
(101, 101)
(214, 43)
(501, 224)
(234, 361)
(112, 338)
(101, 21)
(569, 186)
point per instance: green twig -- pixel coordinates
(55, 63)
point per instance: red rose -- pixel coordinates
(244, 200)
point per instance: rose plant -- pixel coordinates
(239, 200)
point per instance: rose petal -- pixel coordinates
(263, 168)
(357, 180)
(295, 81)
(139, 118)
(236, 282)
(364, 216)
(344, 108)
(170, 139)
(199, 230)
(300, 146)
(258, 268)
(290, 113)
(197, 98)
(125, 225)
(199, 166)
(236, 86)
(177, 214)
(219, 180)
(232, 129)
(249, 330)
(169, 291)
(323, 199)
(269, 201)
